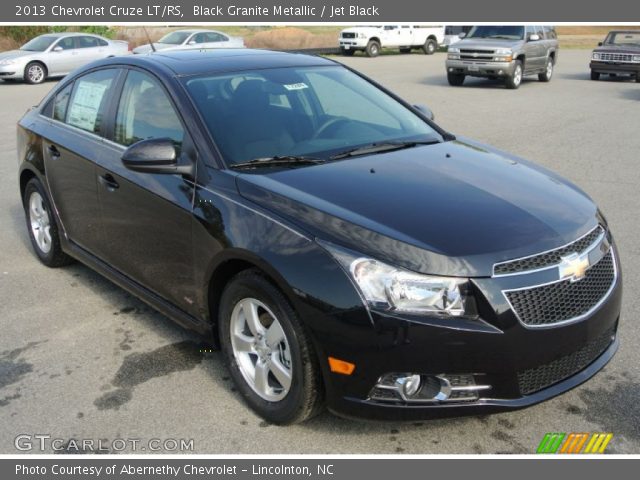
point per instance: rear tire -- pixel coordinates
(35, 73)
(513, 82)
(595, 75)
(548, 73)
(430, 46)
(373, 49)
(455, 79)
(42, 226)
(251, 348)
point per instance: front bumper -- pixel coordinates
(353, 44)
(498, 350)
(615, 68)
(12, 71)
(480, 69)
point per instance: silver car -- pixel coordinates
(182, 39)
(56, 55)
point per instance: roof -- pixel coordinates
(215, 60)
(68, 34)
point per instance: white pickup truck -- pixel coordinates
(405, 37)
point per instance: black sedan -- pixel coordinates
(339, 246)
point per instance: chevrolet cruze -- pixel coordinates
(341, 248)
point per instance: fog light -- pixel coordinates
(410, 385)
(416, 388)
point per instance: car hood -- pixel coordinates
(13, 54)
(488, 43)
(618, 49)
(454, 208)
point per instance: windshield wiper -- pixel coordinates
(380, 148)
(276, 161)
(500, 37)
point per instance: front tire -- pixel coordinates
(513, 82)
(347, 52)
(595, 75)
(430, 46)
(455, 79)
(35, 73)
(42, 226)
(373, 48)
(268, 351)
(548, 72)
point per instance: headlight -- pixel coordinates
(8, 61)
(636, 58)
(453, 50)
(595, 56)
(503, 51)
(507, 58)
(389, 288)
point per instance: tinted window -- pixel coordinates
(67, 43)
(102, 43)
(39, 44)
(539, 31)
(174, 38)
(88, 102)
(214, 37)
(87, 42)
(499, 32)
(60, 103)
(145, 111)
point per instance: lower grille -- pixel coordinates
(534, 379)
(565, 300)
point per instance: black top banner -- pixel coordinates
(317, 11)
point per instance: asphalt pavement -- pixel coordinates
(82, 359)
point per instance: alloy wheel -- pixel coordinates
(261, 349)
(35, 73)
(40, 222)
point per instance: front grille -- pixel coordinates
(616, 57)
(348, 35)
(534, 379)
(565, 300)
(548, 259)
(471, 50)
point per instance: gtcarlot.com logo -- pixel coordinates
(45, 442)
(574, 443)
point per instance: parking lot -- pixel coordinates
(82, 359)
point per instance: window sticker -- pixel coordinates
(83, 112)
(296, 86)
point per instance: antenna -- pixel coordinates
(149, 39)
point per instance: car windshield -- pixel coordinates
(39, 44)
(623, 38)
(174, 38)
(304, 111)
(504, 32)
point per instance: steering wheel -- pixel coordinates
(331, 123)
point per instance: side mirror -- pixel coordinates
(600, 44)
(57, 49)
(155, 155)
(191, 42)
(426, 111)
(534, 37)
(462, 34)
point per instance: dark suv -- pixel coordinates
(339, 246)
(619, 54)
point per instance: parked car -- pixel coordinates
(507, 52)
(341, 247)
(405, 37)
(452, 34)
(181, 39)
(55, 55)
(619, 54)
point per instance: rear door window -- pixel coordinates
(88, 102)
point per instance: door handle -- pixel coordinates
(53, 152)
(109, 182)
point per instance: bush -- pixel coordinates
(21, 35)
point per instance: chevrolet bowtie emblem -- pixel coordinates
(574, 266)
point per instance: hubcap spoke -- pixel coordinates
(40, 222)
(242, 343)
(250, 311)
(282, 373)
(262, 378)
(275, 334)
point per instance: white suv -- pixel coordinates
(405, 37)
